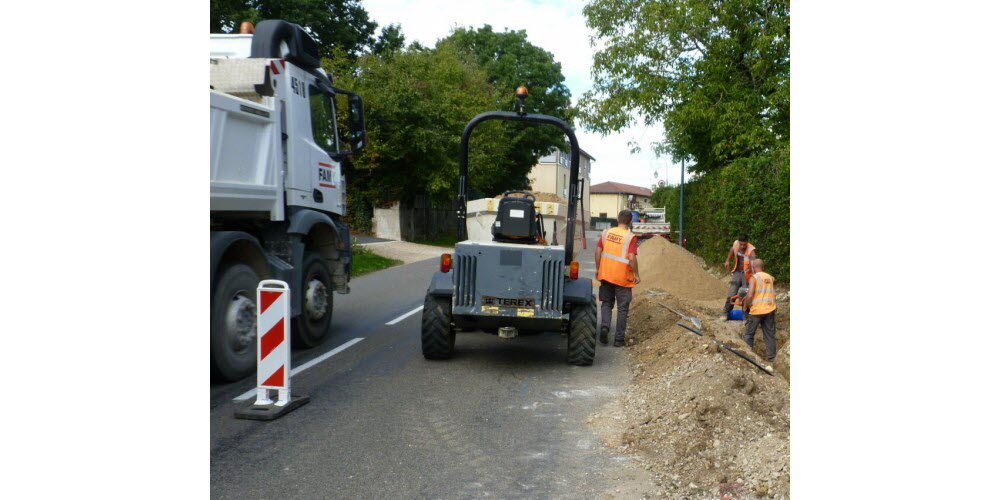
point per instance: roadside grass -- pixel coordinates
(365, 262)
(445, 240)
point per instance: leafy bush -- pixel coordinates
(750, 195)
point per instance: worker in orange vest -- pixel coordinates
(618, 272)
(741, 252)
(759, 306)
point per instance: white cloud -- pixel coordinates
(558, 27)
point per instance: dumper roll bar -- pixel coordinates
(574, 169)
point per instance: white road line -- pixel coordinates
(311, 363)
(404, 316)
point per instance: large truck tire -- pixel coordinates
(234, 322)
(316, 302)
(437, 336)
(582, 338)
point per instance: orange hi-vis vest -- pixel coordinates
(743, 254)
(614, 266)
(763, 294)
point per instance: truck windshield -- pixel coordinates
(321, 113)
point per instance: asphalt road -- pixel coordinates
(502, 418)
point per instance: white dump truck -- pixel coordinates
(277, 189)
(651, 222)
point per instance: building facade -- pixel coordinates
(551, 175)
(609, 198)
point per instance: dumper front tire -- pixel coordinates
(437, 335)
(582, 337)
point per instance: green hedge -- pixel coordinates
(750, 195)
(359, 212)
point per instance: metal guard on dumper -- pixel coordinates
(506, 286)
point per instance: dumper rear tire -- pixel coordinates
(582, 337)
(437, 335)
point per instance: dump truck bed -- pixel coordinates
(245, 157)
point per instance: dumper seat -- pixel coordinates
(516, 221)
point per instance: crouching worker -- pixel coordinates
(759, 307)
(618, 272)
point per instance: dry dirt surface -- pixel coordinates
(704, 422)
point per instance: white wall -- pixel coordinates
(386, 223)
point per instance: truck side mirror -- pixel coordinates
(356, 122)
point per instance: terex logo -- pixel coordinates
(503, 302)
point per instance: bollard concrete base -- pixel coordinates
(270, 412)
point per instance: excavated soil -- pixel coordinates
(669, 267)
(705, 422)
(539, 196)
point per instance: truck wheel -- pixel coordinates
(316, 296)
(437, 336)
(582, 338)
(234, 322)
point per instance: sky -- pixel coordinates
(559, 27)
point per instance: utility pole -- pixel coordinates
(680, 236)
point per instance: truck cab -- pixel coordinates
(278, 191)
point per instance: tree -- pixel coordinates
(715, 73)
(342, 24)
(416, 104)
(390, 40)
(510, 60)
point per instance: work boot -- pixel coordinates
(604, 335)
(619, 341)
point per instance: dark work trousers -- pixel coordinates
(767, 322)
(610, 293)
(737, 281)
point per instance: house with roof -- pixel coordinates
(609, 198)
(551, 175)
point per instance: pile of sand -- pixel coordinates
(669, 267)
(706, 423)
(539, 196)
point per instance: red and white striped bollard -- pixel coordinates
(274, 352)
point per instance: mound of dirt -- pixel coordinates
(669, 267)
(705, 422)
(539, 196)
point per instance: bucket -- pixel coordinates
(736, 313)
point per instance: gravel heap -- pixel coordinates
(704, 422)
